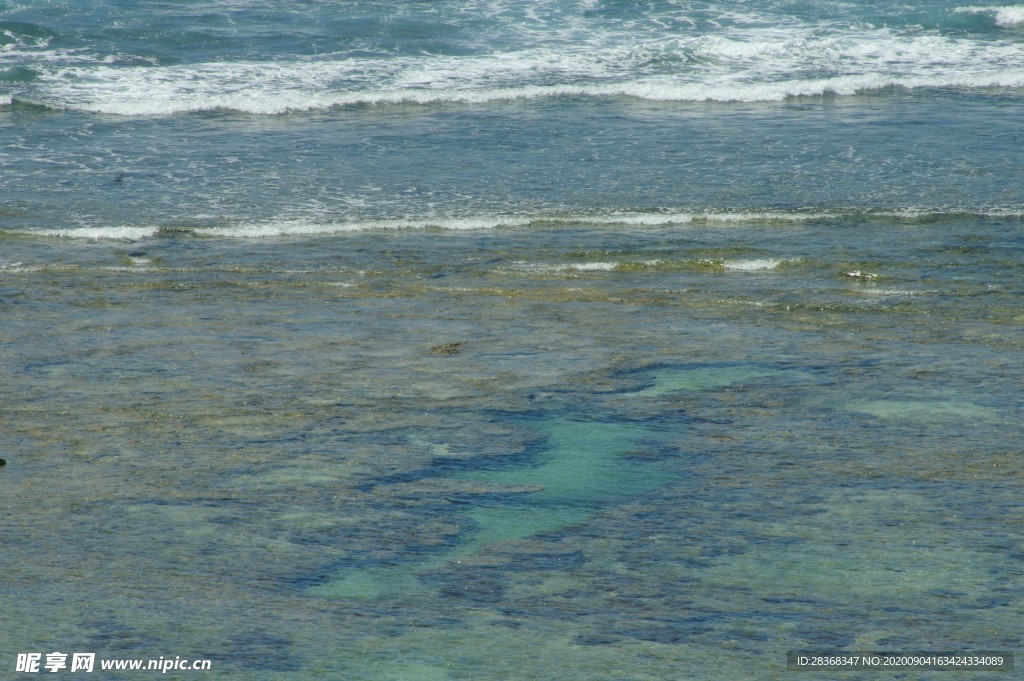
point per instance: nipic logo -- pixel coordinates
(34, 663)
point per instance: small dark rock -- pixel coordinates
(3, 462)
(447, 348)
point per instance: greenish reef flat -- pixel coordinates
(420, 458)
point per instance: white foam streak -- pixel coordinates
(889, 292)
(1006, 17)
(752, 265)
(121, 102)
(113, 233)
(302, 228)
(286, 228)
(592, 266)
(610, 266)
(753, 65)
(654, 220)
(767, 216)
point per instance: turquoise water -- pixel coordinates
(510, 341)
(637, 471)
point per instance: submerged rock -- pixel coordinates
(929, 411)
(443, 487)
(448, 348)
(699, 378)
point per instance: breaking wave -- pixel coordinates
(747, 66)
(611, 219)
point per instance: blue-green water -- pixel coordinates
(504, 340)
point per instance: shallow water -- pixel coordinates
(503, 340)
(677, 469)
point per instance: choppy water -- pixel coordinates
(507, 340)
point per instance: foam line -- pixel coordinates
(1005, 16)
(653, 219)
(752, 65)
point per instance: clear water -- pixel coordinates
(508, 340)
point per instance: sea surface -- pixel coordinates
(562, 339)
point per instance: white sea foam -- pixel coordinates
(765, 216)
(283, 228)
(592, 266)
(21, 268)
(300, 227)
(890, 292)
(304, 228)
(1005, 16)
(745, 65)
(611, 219)
(30, 50)
(129, 100)
(678, 218)
(551, 268)
(114, 233)
(752, 265)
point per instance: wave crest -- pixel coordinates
(1008, 16)
(757, 66)
(610, 219)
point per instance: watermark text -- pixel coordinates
(41, 663)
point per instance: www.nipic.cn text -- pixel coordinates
(31, 663)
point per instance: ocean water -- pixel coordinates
(567, 339)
